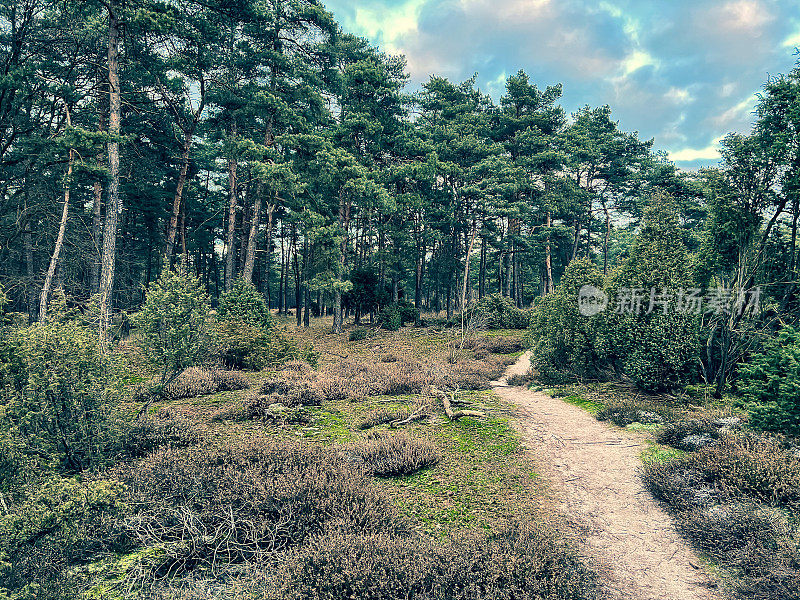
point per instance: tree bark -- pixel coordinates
(62, 227)
(114, 206)
(230, 237)
(548, 260)
(97, 213)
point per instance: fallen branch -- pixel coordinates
(417, 415)
(454, 415)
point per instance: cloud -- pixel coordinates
(682, 72)
(709, 153)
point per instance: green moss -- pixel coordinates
(656, 453)
(589, 406)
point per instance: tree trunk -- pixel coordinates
(97, 214)
(230, 251)
(548, 261)
(114, 206)
(606, 237)
(176, 203)
(343, 218)
(51, 270)
(252, 237)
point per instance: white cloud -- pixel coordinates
(679, 95)
(793, 41)
(710, 152)
(389, 25)
(636, 60)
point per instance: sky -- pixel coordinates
(683, 72)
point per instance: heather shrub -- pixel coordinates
(194, 382)
(389, 455)
(151, 432)
(382, 416)
(676, 434)
(522, 560)
(219, 504)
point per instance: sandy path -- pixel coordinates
(593, 469)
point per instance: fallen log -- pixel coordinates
(454, 415)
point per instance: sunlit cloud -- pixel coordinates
(683, 72)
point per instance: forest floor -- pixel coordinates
(593, 467)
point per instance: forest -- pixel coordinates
(238, 250)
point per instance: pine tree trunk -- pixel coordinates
(62, 227)
(172, 228)
(548, 261)
(230, 251)
(114, 206)
(97, 214)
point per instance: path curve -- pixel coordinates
(593, 468)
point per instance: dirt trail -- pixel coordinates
(593, 468)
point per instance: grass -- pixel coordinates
(656, 453)
(590, 406)
(483, 476)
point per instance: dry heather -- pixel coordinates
(353, 379)
(730, 499)
(222, 504)
(382, 416)
(194, 382)
(521, 560)
(389, 455)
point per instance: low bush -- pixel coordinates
(624, 411)
(688, 434)
(196, 382)
(223, 504)
(358, 334)
(716, 503)
(499, 312)
(49, 525)
(393, 316)
(522, 560)
(57, 401)
(151, 432)
(389, 455)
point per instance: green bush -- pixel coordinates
(57, 402)
(173, 326)
(499, 312)
(244, 304)
(564, 342)
(358, 334)
(771, 382)
(49, 526)
(390, 317)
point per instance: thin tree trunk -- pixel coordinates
(114, 206)
(51, 270)
(230, 237)
(176, 203)
(97, 214)
(548, 260)
(252, 236)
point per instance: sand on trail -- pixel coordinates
(592, 469)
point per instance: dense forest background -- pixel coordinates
(257, 140)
